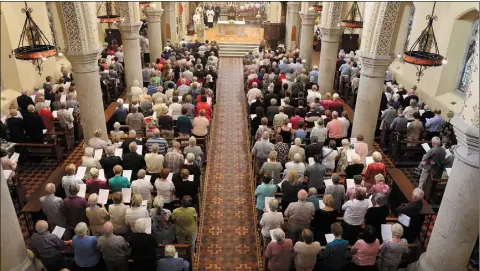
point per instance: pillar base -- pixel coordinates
(26, 265)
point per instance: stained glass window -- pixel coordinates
(411, 14)
(467, 67)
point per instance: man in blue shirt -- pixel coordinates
(314, 73)
(434, 125)
(157, 139)
(334, 252)
(152, 88)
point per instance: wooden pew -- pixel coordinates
(406, 156)
(51, 149)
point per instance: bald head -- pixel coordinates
(302, 195)
(108, 228)
(41, 226)
(50, 188)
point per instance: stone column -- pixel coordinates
(331, 32)
(87, 78)
(80, 22)
(131, 54)
(293, 23)
(170, 16)
(306, 38)
(13, 253)
(376, 51)
(154, 31)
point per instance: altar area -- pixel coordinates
(229, 33)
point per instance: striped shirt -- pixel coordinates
(162, 144)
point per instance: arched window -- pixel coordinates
(411, 14)
(468, 59)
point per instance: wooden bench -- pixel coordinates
(406, 156)
(50, 149)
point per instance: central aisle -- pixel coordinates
(228, 239)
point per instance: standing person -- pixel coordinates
(264, 190)
(118, 212)
(337, 191)
(210, 16)
(334, 253)
(74, 207)
(143, 248)
(261, 149)
(299, 215)
(47, 247)
(353, 218)
(185, 222)
(434, 125)
(365, 250)
(52, 207)
(144, 45)
(432, 161)
(279, 253)
(270, 221)
(86, 255)
(114, 249)
(306, 252)
(391, 250)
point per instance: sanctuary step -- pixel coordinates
(235, 49)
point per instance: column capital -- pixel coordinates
(154, 15)
(375, 66)
(308, 18)
(468, 142)
(130, 31)
(293, 7)
(331, 34)
(84, 61)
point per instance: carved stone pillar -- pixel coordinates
(170, 16)
(293, 24)
(154, 32)
(306, 38)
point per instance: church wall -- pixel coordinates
(437, 86)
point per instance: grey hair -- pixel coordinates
(266, 135)
(132, 133)
(110, 150)
(154, 148)
(141, 174)
(273, 101)
(120, 101)
(417, 194)
(93, 200)
(81, 229)
(88, 152)
(94, 172)
(41, 226)
(436, 140)
(192, 141)
(380, 199)
(297, 158)
(273, 204)
(170, 251)
(397, 230)
(116, 125)
(278, 235)
(190, 157)
(140, 225)
(158, 201)
(312, 191)
(132, 146)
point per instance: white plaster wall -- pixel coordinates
(437, 86)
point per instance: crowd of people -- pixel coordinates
(174, 103)
(302, 139)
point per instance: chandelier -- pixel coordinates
(353, 20)
(33, 45)
(424, 51)
(109, 17)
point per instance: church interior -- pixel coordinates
(243, 136)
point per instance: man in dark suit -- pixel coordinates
(258, 103)
(33, 125)
(313, 148)
(24, 101)
(183, 186)
(133, 161)
(109, 161)
(131, 138)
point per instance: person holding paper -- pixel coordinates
(143, 187)
(314, 148)
(337, 190)
(193, 168)
(299, 215)
(391, 250)
(70, 178)
(334, 252)
(47, 117)
(84, 248)
(24, 101)
(306, 252)
(399, 124)
(377, 167)
(97, 216)
(47, 247)
(380, 186)
(135, 121)
(162, 227)
(330, 154)
(88, 159)
(432, 161)
(96, 142)
(193, 148)
(165, 188)
(353, 218)
(114, 249)
(315, 173)
(94, 184)
(184, 186)
(7, 164)
(365, 250)
(352, 191)
(33, 125)
(169, 262)
(73, 103)
(377, 215)
(343, 161)
(118, 182)
(185, 222)
(414, 129)
(412, 209)
(136, 211)
(74, 209)
(261, 149)
(15, 125)
(319, 131)
(109, 161)
(361, 148)
(271, 169)
(53, 208)
(65, 118)
(355, 168)
(117, 212)
(296, 149)
(323, 219)
(270, 220)
(143, 247)
(279, 253)
(133, 161)
(265, 189)
(121, 112)
(290, 187)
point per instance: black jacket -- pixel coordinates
(375, 217)
(134, 162)
(313, 149)
(127, 142)
(15, 126)
(108, 162)
(186, 187)
(33, 125)
(23, 102)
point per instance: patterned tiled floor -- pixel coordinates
(227, 239)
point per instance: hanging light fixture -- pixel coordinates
(420, 54)
(353, 20)
(33, 45)
(144, 4)
(110, 17)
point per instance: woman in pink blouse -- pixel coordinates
(361, 148)
(365, 250)
(380, 186)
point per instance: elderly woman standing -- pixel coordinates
(70, 178)
(355, 168)
(377, 167)
(193, 168)
(185, 221)
(86, 255)
(193, 148)
(94, 184)
(97, 216)
(143, 248)
(116, 131)
(337, 190)
(323, 219)
(261, 192)
(117, 212)
(343, 161)
(97, 142)
(380, 186)
(319, 131)
(165, 188)
(415, 129)
(353, 218)
(270, 220)
(162, 228)
(296, 149)
(263, 128)
(88, 160)
(377, 215)
(391, 250)
(271, 168)
(352, 191)
(279, 253)
(364, 252)
(135, 121)
(135, 212)
(410, 110)
(297, 165)
(330, 153)
(306, 252)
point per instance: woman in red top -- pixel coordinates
(377, 167)
(205, 106)
(94, 184)
(296, 118)
(47, 117)
(325, 103)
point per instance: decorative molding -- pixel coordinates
(130, 31)
(375, 67)
(384, 29)
(369, 21)
(467, 149)
(154, 15)
(331, 35)
(72, 14)
(84, 62)
(308, 18)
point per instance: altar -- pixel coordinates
(237, 28)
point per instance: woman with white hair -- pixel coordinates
(279, 253)
(97, 216)
(380, 186)
(143, 247)
(96, 142)
(121, 112)
(169, 262)
(86, 254)
(270, 220)
(196, 150)
(343, 161)
(297, 165)
(410, 110)
(319, 131)
(377, 167)
(330, 153)
(135, 121)
(116, 130)
(136, 211)
(94, 184)
(296, 149)
(88, 160)
(391, 250)
(193, 168)
(162, 228)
